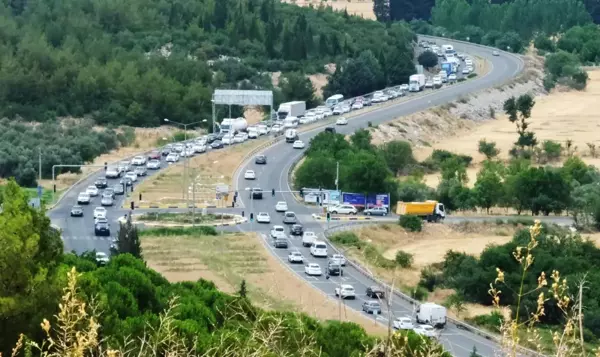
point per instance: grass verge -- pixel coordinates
(186, 218)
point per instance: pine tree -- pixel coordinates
(128, 240)
(381, 8)
(243, 292)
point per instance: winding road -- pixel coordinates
(78, 233)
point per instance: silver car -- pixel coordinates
(289, 218)
(106, 201)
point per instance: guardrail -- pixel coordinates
(459, 324)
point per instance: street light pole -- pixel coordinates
(337, 176)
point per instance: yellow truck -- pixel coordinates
(432, 211)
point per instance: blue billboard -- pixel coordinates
(355, 199)
(378, 200)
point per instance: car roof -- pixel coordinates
(296, 253)
(346, 286)
(263, 213)
(275, 227)
(313, 265)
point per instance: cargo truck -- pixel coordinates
(416, 82)
(291, 109)
(233, 126)
(432, 211)
(431, 314)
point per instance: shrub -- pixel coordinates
(411, 223)
(181, 231)
(346, 238)
(461, 79)
(430, 278)
(419, 293)
(472, 75)
(374, 257)
(404, 259)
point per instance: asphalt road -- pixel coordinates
(281, 156)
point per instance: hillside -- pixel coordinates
(138, 62)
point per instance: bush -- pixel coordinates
(404, 259)
(430, 278)
(180, 231)
(492, 321)
(411, 223)
(346, 238)
(374, 257)
(461, 79)
(428, 59)
(472, 75)
(419, 293)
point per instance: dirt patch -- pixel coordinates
(145, 139)
(360, 8)
(318, 81)
(560, 116)
(228, 259)
(253, 115)
(206, 171)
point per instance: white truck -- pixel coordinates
(431, 314)
(233, 126)
(416, 82)
(291, 109)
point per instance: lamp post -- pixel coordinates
(185, 164)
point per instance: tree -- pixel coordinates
(381, 8)
(489, 188)
(243, 292)
(295, 86)
(488, 149)
(317, 171)
(364, 171)
(398, 155)
(428, 59)
(361, 140)
(519, 111)
(128, 241)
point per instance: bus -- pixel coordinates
(334, 100)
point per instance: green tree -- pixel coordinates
(243, 292)
(316, 171)
(295, 86)
(381, 8)
(489, 188)
(411, 223)
(398, 155)
(414, 189)
(488, 149)
(361, 140)
(128, 240)
(428, 59)
(364, 171)
(519, 111)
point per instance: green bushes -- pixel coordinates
(404, 259)
(411, 223)
(180, 231)
(346, 238)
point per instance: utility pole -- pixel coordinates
(213, 115)
(40, 164)
(194, 201)
(337, 175)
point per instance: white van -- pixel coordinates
(431, 314)
(290, 122)
(318, 249)
(291, 135)
(334, 100)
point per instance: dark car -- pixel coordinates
(101, 183)
(296, 230)
(126, 180)
(165, 151)
(77, 211)
(334, 269)
(154, 155)
(371, 307)
(281, 243)
(260, 160)
(217, 144)
(118, 189)
(102, 229)
(210, 138)
(256, 194)
(375, 292)
(330, 130)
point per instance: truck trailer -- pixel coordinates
(432, 211)
(416, 82)
(291, 109)
(233, 126)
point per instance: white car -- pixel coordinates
(318, 249)
(199, 148)
(345, 291)
(470, 68)
(263, 217)
(313, 269)
(327, 112)
(357, 105)
(281, 206)
(252, 133)
(138, 161)
(276, 128)
(346, 109)
(429, 84)
(338, 259)
(452, 77)
(298, 144)
(188, 152)
(153, 165)
(92, 191)
(342, 209)
(495, 53)
(84, 197)
(132, 176)
(403, 323)
(239, 138)
(99, 212)
(262, 129)
(227, 140)
(337, 110)
(404, 87)
(249, 175)
(466, 71)
(277, 232)
(308, 238)
(295, 257)
(172, 158)
(101, 258)
(426, 330)
(468, 62)
(341, 121)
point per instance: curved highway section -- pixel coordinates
(281, 157)
(78, 233)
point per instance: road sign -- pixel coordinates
(222, 188)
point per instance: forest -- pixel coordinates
(63, 303)
(137, 62)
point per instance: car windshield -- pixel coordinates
(320, 246)
(289, 215)
(76, 207)
(278, 229)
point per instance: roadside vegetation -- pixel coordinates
(184, 218)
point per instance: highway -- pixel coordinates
(78, 233)
(281, 157)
